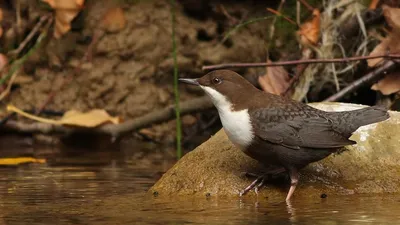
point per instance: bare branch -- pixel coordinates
(33, 32)
(296, 62)
(367, 79)
(115, 130)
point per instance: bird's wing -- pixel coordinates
(295, 129)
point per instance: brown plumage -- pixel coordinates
(285, 133)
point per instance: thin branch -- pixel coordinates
(296, 62)
(307, 5)
(8, 88)
(115, 130)
(277, 13)
(299, 71)
(367, 79)
(19, 62)
(28, 38)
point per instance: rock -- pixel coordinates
(216, 167)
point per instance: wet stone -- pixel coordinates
(216, 167)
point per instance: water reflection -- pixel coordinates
(113, 192)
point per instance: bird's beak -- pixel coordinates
(189, 81)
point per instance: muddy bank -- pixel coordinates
(129, 72)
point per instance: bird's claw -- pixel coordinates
(256, 184)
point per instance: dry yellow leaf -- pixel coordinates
(20, 160)
(388, 85)
(92, 118)
(66, 10)
(114, 20)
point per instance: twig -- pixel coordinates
(283, 16)
(245, 23)
(28, 38)
(232, 19)
(18, 63)
(306, 4)
(115, 130)
(299, 71)
(8, 88)
(369, 78)
(296, 62)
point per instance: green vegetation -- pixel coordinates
(176, 90)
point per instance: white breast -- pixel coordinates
(236, 124)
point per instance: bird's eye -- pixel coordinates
(216, 80)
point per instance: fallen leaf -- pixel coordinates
(275, 81)
(93, 118)
(65, 11)
(309, 31)
(388, 85)
(373, 4)
(20, 160)
(392, 17)
(114, 20)
(391, 43)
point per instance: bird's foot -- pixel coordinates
(260, 180)
(256, 184)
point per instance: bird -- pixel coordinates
(279, 131)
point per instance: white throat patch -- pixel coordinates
(236, 124)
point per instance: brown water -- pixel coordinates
(113, 192)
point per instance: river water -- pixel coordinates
(110, 188)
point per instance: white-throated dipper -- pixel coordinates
(279, 131)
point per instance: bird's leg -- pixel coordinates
(294, 179)
(257, 183)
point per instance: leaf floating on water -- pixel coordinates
(92, 118)
(19, 160)
(66, 10)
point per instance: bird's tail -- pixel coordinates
(364, 116)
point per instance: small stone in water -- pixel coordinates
(324, 195)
